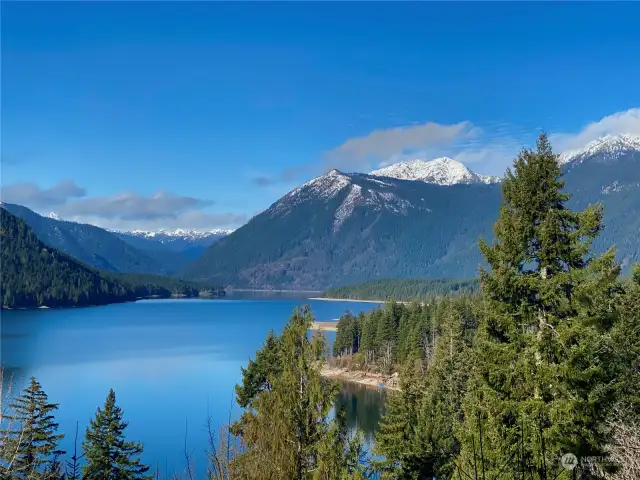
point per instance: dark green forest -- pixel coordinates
(535, 376)
(403, 289)
(33, 274)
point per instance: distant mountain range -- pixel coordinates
(189, 243)
(34, 274)
(415, 219)
(164, 253)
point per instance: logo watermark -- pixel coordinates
(569, 461)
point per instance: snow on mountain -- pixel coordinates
(441, 171)
(352, 190)
(186, 234)
(323, 187)
(610, 147)
(54, 216)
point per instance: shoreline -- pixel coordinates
(379, 302)
(330, 299)
(267, 290)
(327, 326)
(367, 379)
(115, 302)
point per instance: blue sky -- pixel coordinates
(150, 115)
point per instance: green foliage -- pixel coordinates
(545, 363)
(541, 366)
(417, 435)
(390, 336)
(347, 335)
(403, 289)
(98, 247)
(626, 338)
(34, 275)
(109, 455)
(340, 457)
(259, 372)
(286, 429)
(295, 244)
(30, 439)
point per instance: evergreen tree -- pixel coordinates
(369, 332)
(396, 438)
(340, 457)
(108, 454)
(440, 409)
(31, 449)
(540, 382)
(387, 334)
(256, 377)
(626, 338)
(285, 426)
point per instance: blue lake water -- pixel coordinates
(169, 362)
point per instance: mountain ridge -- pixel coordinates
(344, 228)
(439, 171)
(98, 247)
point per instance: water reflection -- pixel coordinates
(364, 407)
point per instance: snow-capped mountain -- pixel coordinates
(607, 148)
(179, 233)
(192, 242)
(351, 190)
(441, 171)
(342, 228)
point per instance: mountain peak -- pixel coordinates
(183, 233)
(611, 146)
(54, 216)
(440, 171)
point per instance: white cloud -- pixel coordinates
(627, 121)
(379, 145)
(190, 219)
(126, 210)
(496, 148)
(28, 193)
(133, 206)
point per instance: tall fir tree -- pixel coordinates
(395, 440)
(340, 456)
(256, 377)
(109, 456)
(539, 387)
(31, 437)
(284, 428)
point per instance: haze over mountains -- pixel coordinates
(413, 219)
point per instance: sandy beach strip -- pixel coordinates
(362, 378)
(331, 326)
(326, 299)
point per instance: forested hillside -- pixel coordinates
(533, 377)
(98, 247)
(33, 274)
(345, 228)
(405, 289)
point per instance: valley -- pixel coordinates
(320, 241)
(418, 219)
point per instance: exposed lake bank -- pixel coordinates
(368, 379)
(330, 299)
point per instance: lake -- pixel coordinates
(169, 362)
